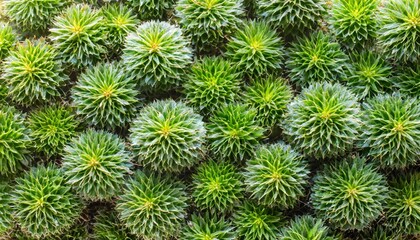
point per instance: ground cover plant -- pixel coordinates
(210, 119)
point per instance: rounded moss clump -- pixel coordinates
(353, 22)
(119, 22)
(151, 9)
(349, 195)
(168, 136)
(209, 22)
(276, 176)
(43, 203)
(257, 222)
(78, 34)
(206, 227)
(392, 130)
(33, 15)
(316, 58)
(212, 82)
(6, 219)
(233, 132)
(107, 226)
(306, 228)
(105, 96)
(217, 187)
(291, 16)
(399, 34)
(51, 129)
(408, 81)
(323, 122)
(403, 206)
(256, 49)
(157, 54)
(270, 96)
(14, 141)
(7, 39)
(153, 207)
(95, 164)
(32, 73)
(369, 75)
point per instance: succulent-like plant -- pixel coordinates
(208, 22)
(119, 22)
(233, 132)
(79, 35)
(276, 176)
(152, 206)
(7, 39)
(151, 9)
(369, 75)
(291, 16)
(354, 22)
(349, 194)
(399, 33)
(52, 128)
(207, 227)
(43, 203)
(323, 122)
(270, 96)
(33, 15)
(306, 228)
(105, 96)
(168, 136)
(157, 55)
(212, 82)
(256, 49)
(95, 164)
(403, 206)
(254, 222)
(316, 58)
(407, 81)
(107, 226)
(32, 73)
(217, 187)
(392, 130)
(14, 140)
(6, 218)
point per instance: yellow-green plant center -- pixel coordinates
(258, 222)
(256, 45)
(214, 185)
(315, 59)
(398, 127)
(154, 47)
(410, 202)
(40, 203)
(213, 81)
(352, 192)
(276, 176)
(148, 204)
(166, 130)
(52, 129)
(356, 13)
(76, 29)
(234, 134)
(208, 237)
(325, 115)
(268, 97)
(368, 73)
(28, 68)
(120, 21)
(107, 93)
(414, 21)
(210, 4)
(93, 162)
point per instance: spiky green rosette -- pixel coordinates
(323, 122)
(349, 194)
(105, 96)
(369, 75)
(6, 219)
(407, 80)
(270, 97)
(256, 49)
(152, 206)
(217, 187)
(107, 226)
(276, 176)
(7, 39)
(306, 228)
(119, 22)
(399, 34)
(33, 15)
(209, 22)
(52, 128)
(392, 130)
(79, 35)
(212, 82)
(14, 140)
(32, 73)
(157, 55)
(354, 22)
(152, 9)
(168, 136)
(316, 58)
(95, 164)
(403, 206)
(43, 203)
(207, 227)
(292, 17)
(257, 222)
(233, 132)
